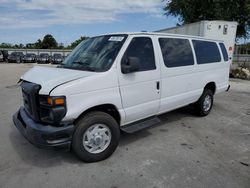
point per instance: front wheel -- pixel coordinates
(96, 137)
(205, 103)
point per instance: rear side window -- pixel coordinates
(176, 52)
(142, 48)
(206, 52)
(224, 51)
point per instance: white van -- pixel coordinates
(118, 82)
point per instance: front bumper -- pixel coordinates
(29, 61)
(43, 61)
(43, 135)
(12, 60)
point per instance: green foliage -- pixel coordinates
(38, 44)
(5, 45)
(49, 42)
(76, 42)
(190, 11)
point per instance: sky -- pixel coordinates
(25, 21)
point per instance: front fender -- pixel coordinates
(79, 103)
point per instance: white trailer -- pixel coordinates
(216, 29)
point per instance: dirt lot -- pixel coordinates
(183, 151)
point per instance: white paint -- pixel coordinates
(135, 94)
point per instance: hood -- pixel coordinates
(50, 77)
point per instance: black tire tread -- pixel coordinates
(199, 104)
(83, 124)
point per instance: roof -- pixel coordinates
(164, 34)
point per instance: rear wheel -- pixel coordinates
(205, 103)
(96, 137)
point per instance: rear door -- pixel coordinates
(140, 90)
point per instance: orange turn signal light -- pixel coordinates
(55, 101)
(49, 101)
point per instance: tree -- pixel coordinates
(48, 42)
(30, 45)
(38, 44)
(5, 45)
(60, 46)
(190, 11)
(76, 42)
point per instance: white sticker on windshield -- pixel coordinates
(116, 38)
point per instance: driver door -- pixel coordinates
(140, 90)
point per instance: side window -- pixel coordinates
(206, 52)
(224, 51)
(176, 52)
(142, 48)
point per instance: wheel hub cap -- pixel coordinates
(97, 138)
(207, 103)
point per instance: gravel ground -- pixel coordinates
(183, 151)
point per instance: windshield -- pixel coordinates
(19, 53)
(57, 55)
(30, 55)
(44, 55)
(95, 54)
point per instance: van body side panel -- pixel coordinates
(217, 72)
(184, 85)
(206, 73)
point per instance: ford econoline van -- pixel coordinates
(118, 82)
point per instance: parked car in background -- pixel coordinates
(5, 55)
(43, 58)
(57, 59)
(65, 56)
(16, 57)
(1, 56)
(29, 58)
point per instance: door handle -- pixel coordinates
(158, 85)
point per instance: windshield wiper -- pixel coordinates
(88, 69)
(80, 63)
(78, 68)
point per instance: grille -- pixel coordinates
(26, 102)
(30, 98)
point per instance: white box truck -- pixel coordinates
(216, 29)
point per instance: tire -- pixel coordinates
(102, 121)
(201, 108)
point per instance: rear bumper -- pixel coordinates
(43, 135)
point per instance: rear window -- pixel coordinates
(224, 51)
(176, 52)
(206, 52)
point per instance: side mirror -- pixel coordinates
(130, 64)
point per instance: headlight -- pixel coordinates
(52, 109)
